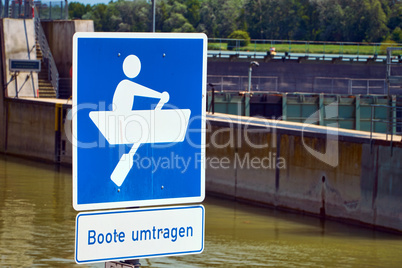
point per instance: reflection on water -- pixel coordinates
(37, 224)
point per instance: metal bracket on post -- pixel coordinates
(135, 263)
(113, 264)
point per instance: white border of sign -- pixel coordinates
(153, 202)
(139, 233)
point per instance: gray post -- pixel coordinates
(368, 86)
(357, 113)
(66, 9)
(153, 15)
(388, 71)
(387, 75)
(250, 70)
(19, 10)
(6, 9)
(27, 7)
(16, 86)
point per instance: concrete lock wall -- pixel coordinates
(18, 42)
(60, 38)
(274, 163)
(2, 118)
(38, 130)
(30, 129)
(362, 183)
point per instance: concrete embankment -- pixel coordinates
(340, 174)
(36, 129)
(321, 171)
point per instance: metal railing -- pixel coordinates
(306, 48)
(51, 10)
(65, 87)
(240, 83)
(351, 86)
(46, 10)
(393, 122)
(53, 74)
(329, 85)
(16, 9)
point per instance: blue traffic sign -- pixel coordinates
(138, 119)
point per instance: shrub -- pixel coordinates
(243, 39)
(385, 44)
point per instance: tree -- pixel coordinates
(331, 16)
(177, 23)
(173, 17)
(397, 35)
(193, 12)
(218, 18)
(77, 10)
(375, 25)
(255, 12)
(326, 20)
(135, 14)
(208, 23)
(106, 18)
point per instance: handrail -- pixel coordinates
(53, 74)
(328, 47)
(239, 83)
(23, 9)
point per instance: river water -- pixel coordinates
(37, 224)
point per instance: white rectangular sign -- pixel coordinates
(139, 233)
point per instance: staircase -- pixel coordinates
(46, 90)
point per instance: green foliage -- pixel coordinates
(397, 35)
(315, 20)
(175, 17)
(104, 17)
(385, 44)
(77, 10)
(242, 39)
